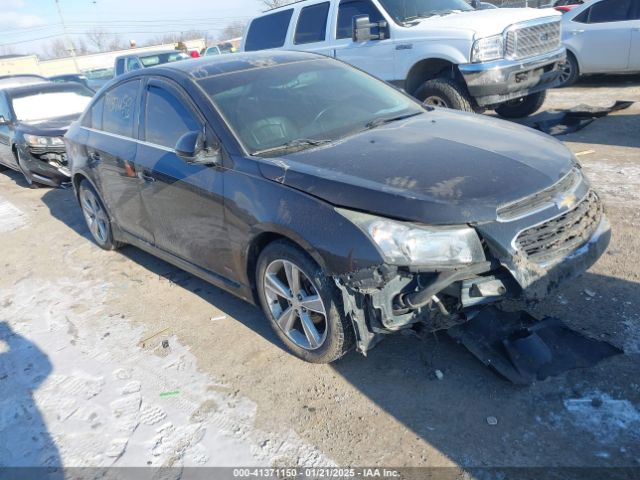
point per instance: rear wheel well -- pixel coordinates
(428, 69)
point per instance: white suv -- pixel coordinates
(444, 52)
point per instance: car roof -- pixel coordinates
(10, 81)
(204, 67)
(22, 90)
(146, 54)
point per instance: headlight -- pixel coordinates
(486, 49)
(38, 141)
(409, 244)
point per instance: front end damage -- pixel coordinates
(47, 165)
(535, 245)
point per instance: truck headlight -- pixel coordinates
(487, 49)
(406, 244)
(39, 141)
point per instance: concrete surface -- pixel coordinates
(388, 409)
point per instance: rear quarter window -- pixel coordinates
(312, 24)
(269, 31)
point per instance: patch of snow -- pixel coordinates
(74, 395)
(11, 217)
(606, 418)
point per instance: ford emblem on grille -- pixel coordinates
(544, 37)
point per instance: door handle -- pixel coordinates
(576, 32)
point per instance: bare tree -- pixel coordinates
(275, 3)
(116, 43)
(62, 47)
(233, 30)
(98, 38)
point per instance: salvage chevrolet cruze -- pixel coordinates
(340, 205)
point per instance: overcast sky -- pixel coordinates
(27, 25)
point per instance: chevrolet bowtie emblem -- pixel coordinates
(567, 201)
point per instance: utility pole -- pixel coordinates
(66, 36)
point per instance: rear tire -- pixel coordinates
(302, 303)
(445, 93)
(522, 107)
(570, 71)
(96, 217)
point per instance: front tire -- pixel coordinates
(445, 93)
(523, 106)
(302, 304)
(96, 217)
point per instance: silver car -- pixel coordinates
(601, 36)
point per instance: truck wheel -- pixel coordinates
(523, 106)
(569, 71)
(302, 304)
(442, 92)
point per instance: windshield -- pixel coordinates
(303, 104)
(406, 10)
(51, 104)
(160, 58)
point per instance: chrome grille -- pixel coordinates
(528, 40)
(559, 236)
(546, 198)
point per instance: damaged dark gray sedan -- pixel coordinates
(341, 206)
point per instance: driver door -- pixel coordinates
(376, 57)
(184, 201)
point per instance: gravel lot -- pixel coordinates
(87, 380)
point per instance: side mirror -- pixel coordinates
(362, 29)
(191, 147)
(4, 121)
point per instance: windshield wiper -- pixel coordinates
(293, 145)
(381, 121)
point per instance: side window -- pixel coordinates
(119, 109)
(312, 24)
(269, 31)
(133, 64)
(120, 66)
(608, 11)
(351, 8)
(93, 118)
(167, 117)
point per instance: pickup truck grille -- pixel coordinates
(528, 40)
(559, 236)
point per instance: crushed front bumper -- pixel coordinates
(45, 166)
(496, 82)
(374, 298)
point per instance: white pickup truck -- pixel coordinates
(444, 52)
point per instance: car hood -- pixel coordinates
(441, 167)
(484, 23)
(51, 127)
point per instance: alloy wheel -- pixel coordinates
(295, 304)
(565, 72)
(96, 217)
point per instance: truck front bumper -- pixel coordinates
(502, 80)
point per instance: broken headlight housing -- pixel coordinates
(405, 244)
(487, 49)
(40, 141)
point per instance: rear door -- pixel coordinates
(111, 149)
(601, 36)
(376, 57)
(184, 201)
(6, 155)
(311, 29)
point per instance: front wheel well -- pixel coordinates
(428, 69)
